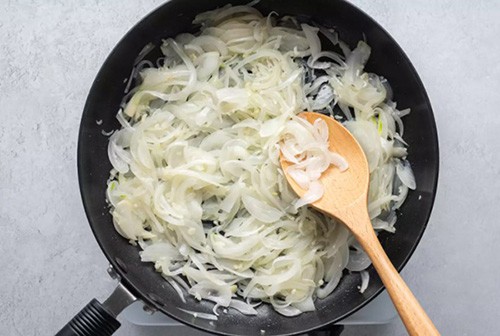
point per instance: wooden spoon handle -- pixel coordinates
(411, 312)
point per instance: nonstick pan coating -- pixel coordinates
(174, 17)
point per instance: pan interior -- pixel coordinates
(175, 17)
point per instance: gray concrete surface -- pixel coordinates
(50, 265)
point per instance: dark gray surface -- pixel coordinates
(51, 265)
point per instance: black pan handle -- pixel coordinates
(92, 320)
(99, 319)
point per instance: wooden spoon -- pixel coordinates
(345, 198)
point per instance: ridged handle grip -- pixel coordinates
(92, 320)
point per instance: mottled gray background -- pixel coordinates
(50, 264)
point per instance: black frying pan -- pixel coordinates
(138, 280)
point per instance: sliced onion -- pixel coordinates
(365, 278)
(260, 210)
(288, 311)
(243, 307)
(305, 305)
(358, 261)
(176, 287)
(339, 161)
(205, 316)
(312, 38)
(300, 177)
(405, 174)
(314, 193)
